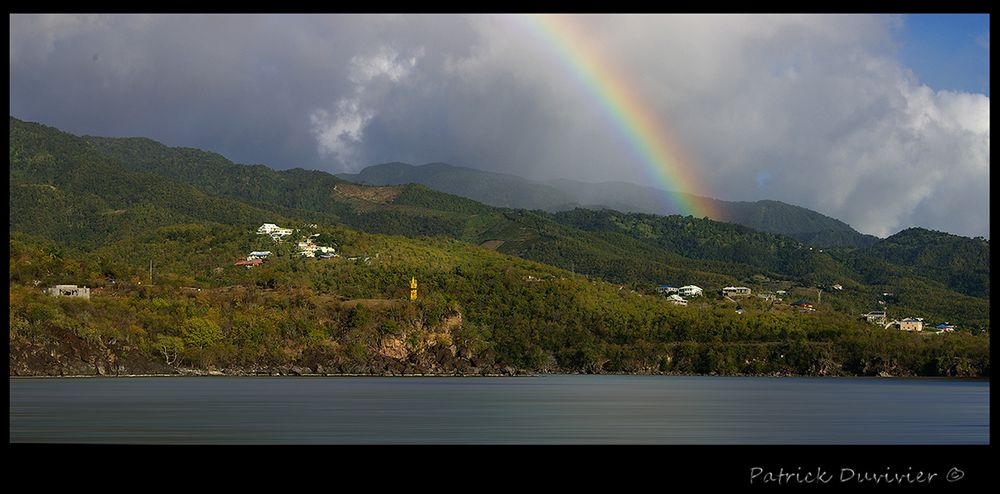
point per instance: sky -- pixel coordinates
(881, 121)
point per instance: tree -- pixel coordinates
(170, 347)
(201, 333)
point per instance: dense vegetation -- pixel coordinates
(295, 311)
(96, 211)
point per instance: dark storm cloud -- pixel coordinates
(812, 110)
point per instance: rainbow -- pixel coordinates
(663, 159)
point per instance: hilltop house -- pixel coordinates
(308, 248)
(249, 263)
(945, 328)
(69, 291)
(837, 286)
(738, 291)
(911, 324)
(677, 300)
(258, 254)
(875, 317)
(690, 291)
(273, 230)
(803, 305)
(666, 289)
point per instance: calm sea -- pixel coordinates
(510, 410)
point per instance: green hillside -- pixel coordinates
(500, 289)
(961, 263)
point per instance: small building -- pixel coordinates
(837, 286)
(251, 263)
(308, 247)
(875, 317)
(273, 230)
(690, 291)
(69, 291)
(666, 289)
(677, 300)
(736, 291)
(327, 256)
(803, 305)
(945, 328)
(780, 293)
(258, 254)
(911, 324)
(266, 229)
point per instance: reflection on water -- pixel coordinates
(518, 410)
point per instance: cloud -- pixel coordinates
(338, 134)
(814, 110)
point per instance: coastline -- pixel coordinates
(199, 373)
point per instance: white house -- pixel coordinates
(308, 248)
(258, 254)
(267, 229)
(273, 230)
(875, 317)
(68, 291)
(690, 291)
(740, 291)
(676, 299)
(837, 286)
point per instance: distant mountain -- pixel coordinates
(496, 189)
(503, 190)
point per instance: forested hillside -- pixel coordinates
(156, 232)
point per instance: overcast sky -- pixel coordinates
(847, 115)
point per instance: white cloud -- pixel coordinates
(384, 63)
(339, 133)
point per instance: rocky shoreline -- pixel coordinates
(73, 357)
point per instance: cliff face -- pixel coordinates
(67, 354)
(427, 351)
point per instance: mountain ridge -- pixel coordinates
(506, 190)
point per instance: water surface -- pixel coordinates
(508, 410)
